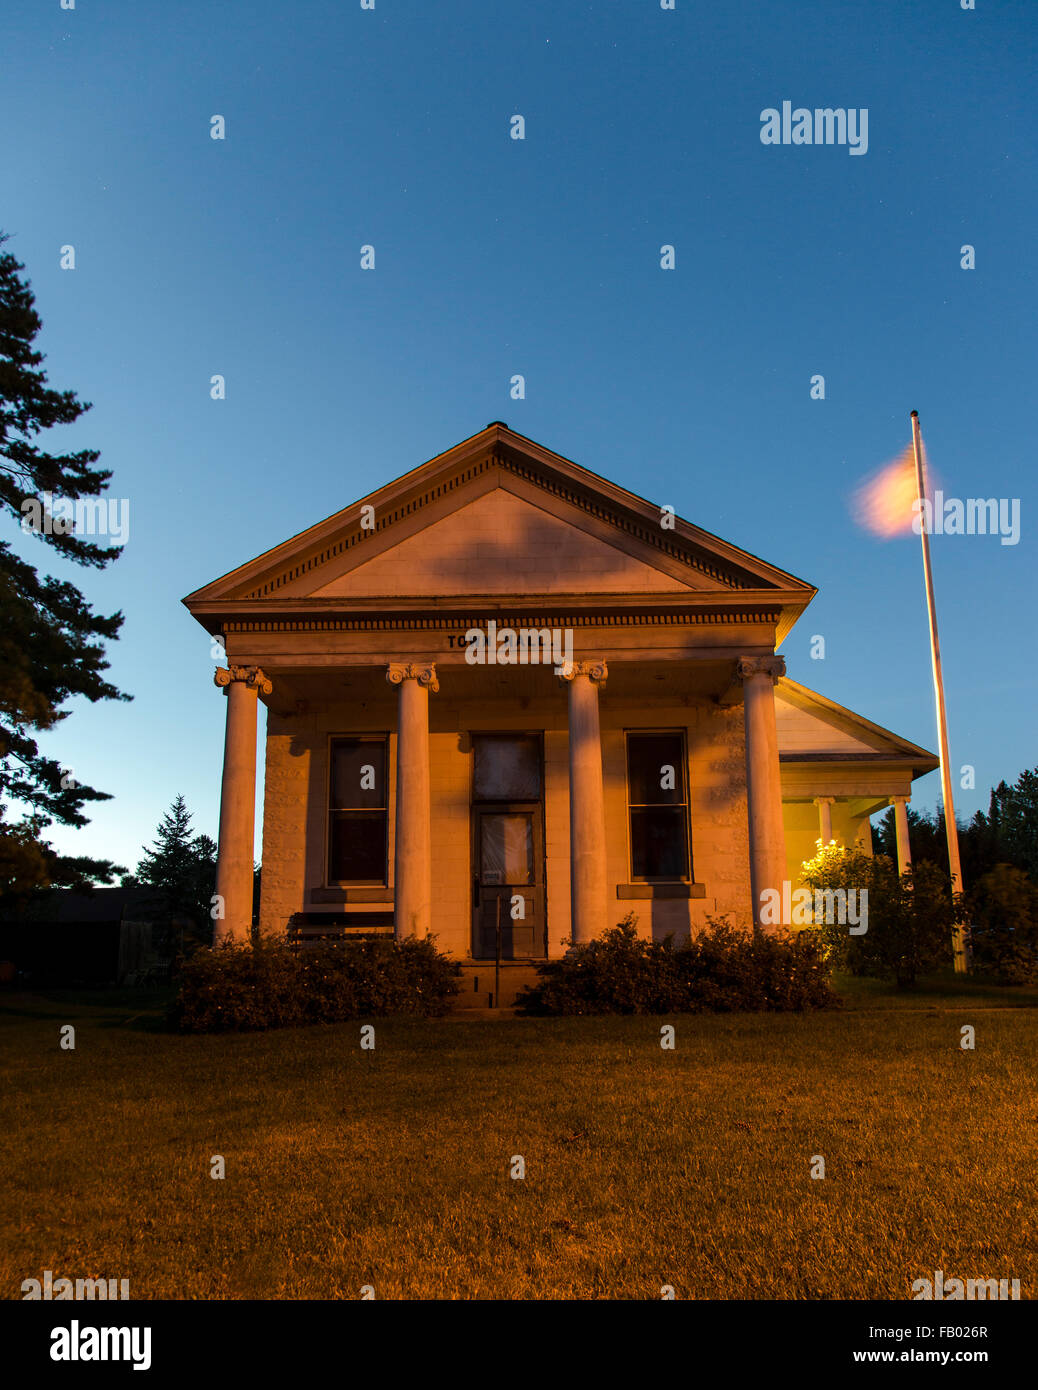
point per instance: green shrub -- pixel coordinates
(616, 974)
(910, 915)
(776, 970)
(1004, 912)
(274, 985)
(722, 969)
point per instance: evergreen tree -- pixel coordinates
(180, 867)
(884, 835)
(51, 642)
(1015, 819)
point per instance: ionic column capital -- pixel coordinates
(425, 674)
(596, 671)
(773, 666)
(251, 676)
(899, 800)
(825, 800)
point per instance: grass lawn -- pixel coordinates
(644, 1167)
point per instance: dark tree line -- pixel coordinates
(1006, 834)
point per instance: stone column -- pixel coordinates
(763, 782)
(412, 876)
(825, 817)
(589, 914)
(234, 864)
(904, 848)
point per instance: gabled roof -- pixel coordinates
(814, 729)
(534, 524)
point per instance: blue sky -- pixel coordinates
(539, 257)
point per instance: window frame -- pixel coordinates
(685, 804)
(330, 811)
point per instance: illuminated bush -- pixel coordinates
(910, 915)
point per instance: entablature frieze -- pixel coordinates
(460, 622)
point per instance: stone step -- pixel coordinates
(472, 1015)
(473, 999)
(476, 986)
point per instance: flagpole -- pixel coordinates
(959, 949)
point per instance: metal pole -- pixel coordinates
(497, 963)
(959, 949)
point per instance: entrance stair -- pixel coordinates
(476, 985)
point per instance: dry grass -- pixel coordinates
(643, 1167)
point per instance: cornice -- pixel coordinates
(411, 622)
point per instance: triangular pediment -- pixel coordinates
(504, 543)
(500, 514)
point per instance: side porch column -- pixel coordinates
(904, 848)
(234, 862)
(825, 817)
(412, 875)
(763, 782)
(589, 916)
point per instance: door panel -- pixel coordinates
(507, 890)
(508, 848)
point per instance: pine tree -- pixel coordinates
(51, 642)
(1017, 818)
(180, 866)
(884, 835)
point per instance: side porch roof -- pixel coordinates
(827, 749)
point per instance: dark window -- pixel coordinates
(657, 798)
(507, 767)
(358, 811)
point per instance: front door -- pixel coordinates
(508, 848)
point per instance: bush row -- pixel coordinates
(274, 985)
(910, 916)
(720, 970)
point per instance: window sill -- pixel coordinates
(661, 890)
